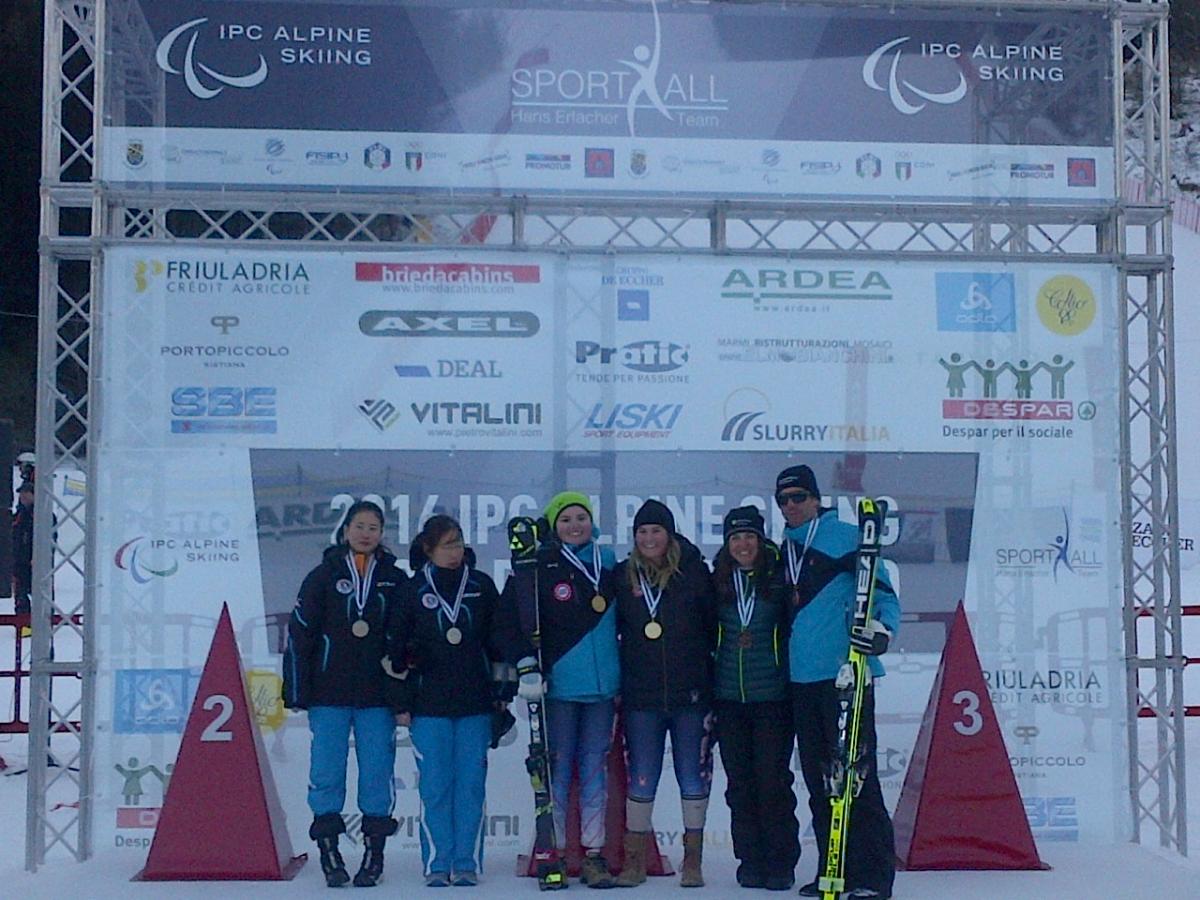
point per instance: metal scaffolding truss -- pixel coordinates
(80, 215)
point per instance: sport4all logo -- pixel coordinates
(982, 389)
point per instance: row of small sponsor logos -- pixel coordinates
(275, 157)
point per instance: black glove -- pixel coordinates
(522, 541)
(871, 640)
(502, 723)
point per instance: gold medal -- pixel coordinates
(453, 635)
(360, 629)
(745, 640)
(599, 604)
(653, 630)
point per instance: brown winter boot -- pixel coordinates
(594, 872)
(693, 852)
(633, 872)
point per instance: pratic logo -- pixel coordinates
(448, 277)
(1024, 377)
(542, 94)
(1055, 556)
(652, 361)
(748, 420)
(222, 276)
(466, 323)
(976, 301)
(452, 368)
(145, 559)
(803, 290)
(207, 410)
(197, 50)
(1066, 305)
(632, 421)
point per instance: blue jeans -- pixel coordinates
(374, 746)
(645, 738)
(452, 766)
(580, 734)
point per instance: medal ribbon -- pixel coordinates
(652, 599)
(795, 564)
(745, 597)
(450, 611)
(362, 583)
(574, 560)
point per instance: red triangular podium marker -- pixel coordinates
(221, 817)
(960, 807)
(657, 863)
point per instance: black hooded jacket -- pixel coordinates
(674, 671)
(325, 664)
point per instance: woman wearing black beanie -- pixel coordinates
(666, 617)
(752, 708)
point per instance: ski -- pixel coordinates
(549, 867)
(844, 779)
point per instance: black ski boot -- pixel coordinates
(376, 830)
(325, 830)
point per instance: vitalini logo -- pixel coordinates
(192, 69)
(898, 89)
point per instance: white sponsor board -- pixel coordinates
(234, 379)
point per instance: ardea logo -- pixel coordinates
(192, 69)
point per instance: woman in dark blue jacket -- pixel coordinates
(332, 668)
(565, 591)
(449, 631)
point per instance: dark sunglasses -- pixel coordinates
(798, 497)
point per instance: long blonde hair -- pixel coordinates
(658, 573)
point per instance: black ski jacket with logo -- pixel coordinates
(676, 670)
(759, 672)
(324, 663)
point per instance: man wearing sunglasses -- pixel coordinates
(819, 554)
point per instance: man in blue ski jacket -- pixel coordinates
(819, 554)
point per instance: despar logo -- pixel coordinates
(448, 323)
(1028, 378)
(192, 48)
(906, 97)
(594, 97)
(748, 420)
(976, 301)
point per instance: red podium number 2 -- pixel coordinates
(212, 731)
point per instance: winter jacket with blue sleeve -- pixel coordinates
(579, 648)
(824, 599)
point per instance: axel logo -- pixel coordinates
(192, 69)
(897, 88)
(138, 558)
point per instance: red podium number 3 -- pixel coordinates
(972, 722)
(221, 819)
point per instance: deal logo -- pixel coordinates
(976, 301)
(1066, 305)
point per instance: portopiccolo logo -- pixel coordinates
(545, 95)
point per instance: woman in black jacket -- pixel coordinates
(666, 617)
(450, 631)
(332, 668)
(752, 708)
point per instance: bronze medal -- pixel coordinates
(360, 629)
(653, 630)
(745, 640)
(599, 604)
(795, 596)
(454, 635)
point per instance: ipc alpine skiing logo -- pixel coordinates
(898, 89)
(192, 68)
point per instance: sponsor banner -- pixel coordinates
(655, 97)
(479, 351)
